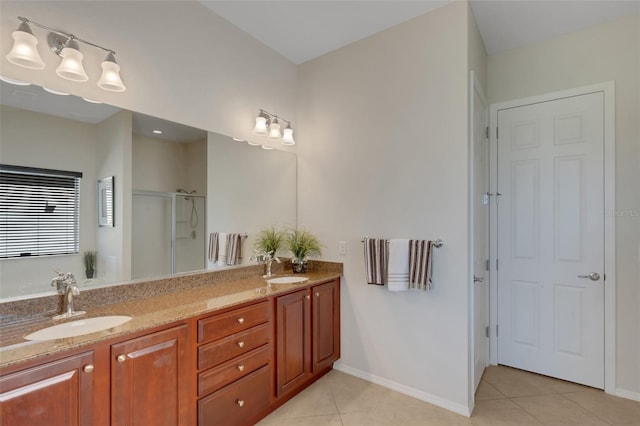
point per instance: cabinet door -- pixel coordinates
(55, 393)
(326, 325)
(149, 379)
(293, 348)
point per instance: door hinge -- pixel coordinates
(486, 266)
(496, 132)
(497, 330)
(497, 264)
(486, 132)
(486, 331)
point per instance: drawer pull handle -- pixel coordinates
(88, 368)
(241, 344)
(240, 320)
(240, 403)
(241, 368)
(121, 358)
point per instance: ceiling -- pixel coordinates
(305, 29)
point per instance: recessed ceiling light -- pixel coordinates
(238, 139)
(158, 132)
(14, 81)
(55, 92)
(91, 101)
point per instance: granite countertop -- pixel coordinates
(146, 313)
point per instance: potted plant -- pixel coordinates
(90, 263)
(302, 245)
(269, 240)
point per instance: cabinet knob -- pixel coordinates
(88, 368)
(241, 320)
(241, 344)
(240, 367)
(317, 294)
(240, 403)
(121, 358)
(307, 297)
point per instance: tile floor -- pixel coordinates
(506, 396)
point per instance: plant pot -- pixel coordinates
(299, 266)
(89, 272)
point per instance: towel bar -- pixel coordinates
(436, 243)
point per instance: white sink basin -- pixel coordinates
(287, 280)
(78, 327)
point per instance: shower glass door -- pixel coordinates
(167, 234)
(189, 233)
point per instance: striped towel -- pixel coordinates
(234, 249)
(213, 247)
(376, 259)
(398, 269)
(420, 255)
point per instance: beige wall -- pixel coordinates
(164, 166)
(383, 153)
(40, 140)
(602, 53)
(180, 61)
(114, 159)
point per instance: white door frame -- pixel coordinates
(608, 88)
(475, 87)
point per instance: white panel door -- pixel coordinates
(551, 238)
(480, 238)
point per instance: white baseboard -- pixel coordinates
(415, 393)
(623, 393)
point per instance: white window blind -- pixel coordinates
(39, 212)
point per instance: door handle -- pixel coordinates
(478, 279)
(594, 276)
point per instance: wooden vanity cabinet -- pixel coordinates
(53, 393)
(149, 379)
(307, 334)
(234, 365)
(228, 368)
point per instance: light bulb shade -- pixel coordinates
(274, 131)
(71, 66)
(25, 52)
(287, 136)
(261, 126)
(110, 79)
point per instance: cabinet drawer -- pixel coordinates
(222, 350)
(238, 403)
(215, 378)
(222, 325)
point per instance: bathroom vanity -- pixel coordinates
(226, 353)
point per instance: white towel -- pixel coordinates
(223, 243)
(398, 265)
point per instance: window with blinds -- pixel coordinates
(39, 212)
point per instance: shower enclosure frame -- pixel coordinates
(173, 196)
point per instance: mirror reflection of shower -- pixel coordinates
(168, 233)
(193, 220)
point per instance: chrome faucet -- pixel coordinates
(265, 258)
(66, 284)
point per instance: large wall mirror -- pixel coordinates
(173, 186)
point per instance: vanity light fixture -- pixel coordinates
(268, 124)
(91, 101)
(25, 54)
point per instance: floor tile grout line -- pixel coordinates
(587, 410)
